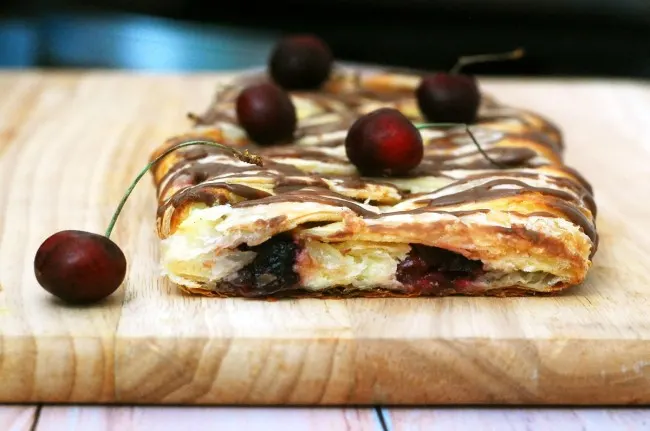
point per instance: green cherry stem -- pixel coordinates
(482, 58)
(244, 157)
(469, 132)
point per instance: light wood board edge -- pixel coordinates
(250, 371)
(383, 372)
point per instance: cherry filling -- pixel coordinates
(434, 271)
(425, 271)
(272, 269)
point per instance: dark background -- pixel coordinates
(561, 37)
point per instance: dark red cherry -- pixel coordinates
(267, 114)
(79, 267)
(384, 142)
(448, 98)
(301, 62)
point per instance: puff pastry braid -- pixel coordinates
(306, 224)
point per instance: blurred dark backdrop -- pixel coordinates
(561, 37)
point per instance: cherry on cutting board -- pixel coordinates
(300, 62)
(79, 267)
(267, 114)
(453, 97)
(82, 267)
(384, 142)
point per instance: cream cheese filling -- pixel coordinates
(321, 266)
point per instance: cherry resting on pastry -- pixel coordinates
(267, 114)
(301, 62)
(453, 97)
(83, 267)
(448, 98)
(384, 142)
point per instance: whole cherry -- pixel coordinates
(79, 267)
(300, 62)
(266, 113)
(384, 142)
(82, 267)
(454, 97)
(448, 98)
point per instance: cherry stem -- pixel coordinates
(194, 117)
(469, 132)
(244, 157)
(482, 58)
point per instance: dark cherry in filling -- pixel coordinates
(432, 270)
(271, 271)
(426, 270)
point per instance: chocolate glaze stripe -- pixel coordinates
(491, 191)
(467, 142)
(329, 107)
(488, 137)
(358, 95)
(203, 168)
(207, 170)
(529, 176)
(570, 212)
(436, 149)
(484, 192)
(328, 116)
(316, 195)
(581, 179)
(455, 143)
(523, 117)
(511, 155)
(210, 169)
(331, 139)
(508, 156)
(476, 189)
(560, 182)
(487, 191)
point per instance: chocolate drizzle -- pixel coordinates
(311, 194)
(508, 157)
(565, 202)
(205, 174)
(548, 129)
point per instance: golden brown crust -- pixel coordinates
(348, 293)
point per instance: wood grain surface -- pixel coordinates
(71, 142)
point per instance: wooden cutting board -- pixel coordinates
(70, 143)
